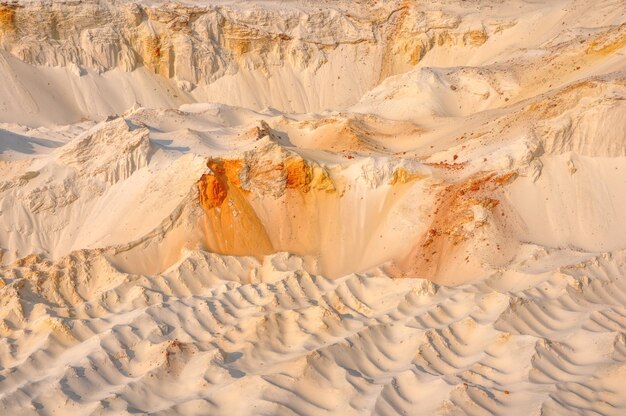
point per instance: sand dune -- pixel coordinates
(211, 328)
(312, 208)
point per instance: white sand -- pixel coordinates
(311, 208)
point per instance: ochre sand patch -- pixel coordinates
(232, 225)
(460, 209)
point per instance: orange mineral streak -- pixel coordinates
(608, 42)
(231, 225)
(281, 206)
(228, 170)
(396, 46)
(299, 174)
(152, 53)
(7, 18)
(475, 37)
(241, 39)
(212, 191)
(401, 176)
(405, 45)
(443, 239)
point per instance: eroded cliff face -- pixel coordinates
(296, 59)
(415, 31)
(191, 44)
(272, 199)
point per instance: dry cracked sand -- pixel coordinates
(220, 207)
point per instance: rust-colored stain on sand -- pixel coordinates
(7, 18)
(212, 191)
(299, 174)
(452, 212)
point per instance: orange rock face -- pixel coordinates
(407, 45)
(401, 176)
(154, 57)
(212, 191)
(475, 37)
(260, 206)
(299, 174)
(231, 226)
(227, 170)
(7, 19)
(296, 173)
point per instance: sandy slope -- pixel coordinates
(326, 208)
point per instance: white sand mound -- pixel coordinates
(302, 208)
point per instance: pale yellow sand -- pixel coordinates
(312, 208)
